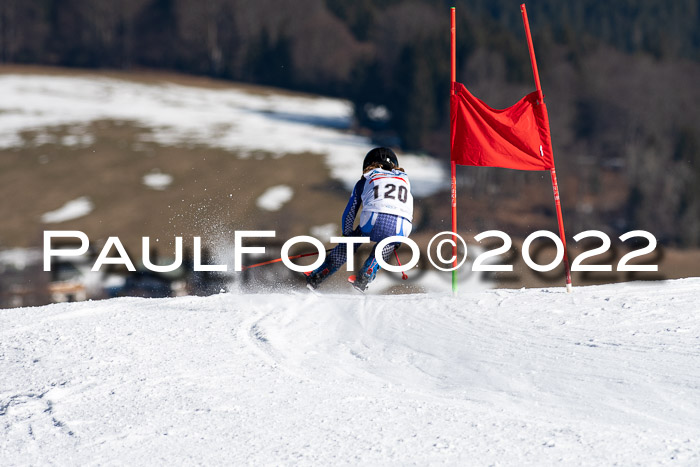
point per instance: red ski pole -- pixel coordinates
(243, 268)
(403, 273)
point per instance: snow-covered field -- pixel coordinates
(234, 119)
(606, 375)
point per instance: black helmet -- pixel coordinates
(384, 156)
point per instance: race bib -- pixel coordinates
(388, 192)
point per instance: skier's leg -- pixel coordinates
(334, 261)
(383, 226)
(370, 267)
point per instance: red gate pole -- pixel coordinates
(453, 166)
(555, 186)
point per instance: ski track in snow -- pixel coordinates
(609, 374)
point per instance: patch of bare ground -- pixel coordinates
(213, 191)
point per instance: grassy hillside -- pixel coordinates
(214, 191)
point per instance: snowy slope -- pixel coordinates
(608, 374)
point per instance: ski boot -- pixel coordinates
(315, 278)
(363, 279)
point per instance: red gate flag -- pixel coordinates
(513, 138)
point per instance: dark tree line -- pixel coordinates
(620, 76)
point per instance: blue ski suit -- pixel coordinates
(387, 210)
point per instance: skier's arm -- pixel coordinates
(348, 221)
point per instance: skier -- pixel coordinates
(384, 191)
